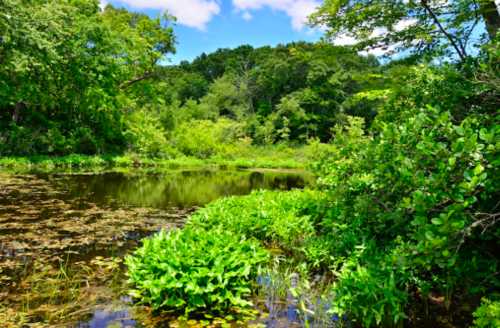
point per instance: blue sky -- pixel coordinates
(206, 25)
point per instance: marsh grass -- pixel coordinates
(277, 156)
(61, 293)
(291, 297)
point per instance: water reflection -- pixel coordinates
(106, 319)
(180, 189)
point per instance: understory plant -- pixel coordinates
(192, 270)
(488, 314)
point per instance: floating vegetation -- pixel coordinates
(54, 250)
(53, 295)
(38, 222)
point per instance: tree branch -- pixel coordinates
(461, 54)
(135, 80)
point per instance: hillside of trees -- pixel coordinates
(79, 87)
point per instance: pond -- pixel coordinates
(62, 236)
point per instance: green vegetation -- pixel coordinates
(190, 270)
(243, 155)
(425, 29)
(277, 219)
(488, 314)
(55, 293)
(405, 220)
(403, 224)
(95, 94)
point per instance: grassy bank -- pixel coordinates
(269, 157)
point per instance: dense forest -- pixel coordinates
(403, 221)
(112, 96)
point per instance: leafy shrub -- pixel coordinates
(193, 270)
(18, 140)
(280, 218)
(84, 141)
(372, 294)
(145, 134)
(419, 191)
(204, 139)
(488, 314)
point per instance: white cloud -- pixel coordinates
(344, 40)
(404, 24)
(247, 16)
(192, 13)
(297, 10)
(103, 4)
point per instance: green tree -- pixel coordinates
(421, 26)
(65, 65)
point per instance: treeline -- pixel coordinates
(292, 92)
(78, 79)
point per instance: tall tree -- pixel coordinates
(64, 64)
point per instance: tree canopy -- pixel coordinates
(421, 26)
(64, 66)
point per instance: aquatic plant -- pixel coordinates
(49, 294)
(191, 270)
(281, 219)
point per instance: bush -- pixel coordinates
(373, 294)
(145, 134)
(84, 141)
(488, 314)
(193, 270)
(421, 187)
(204, 139)
(18, 140)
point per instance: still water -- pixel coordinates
(82, 219)
(180, 189)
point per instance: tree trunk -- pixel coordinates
(17, 112)
(491, 17)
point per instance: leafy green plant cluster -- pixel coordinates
(192, 270)
(488, 314)
(282, 219)
(211, 264)
(414, 203)
(204, 139)
(68, 70)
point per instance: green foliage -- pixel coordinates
(65, 68)
(408, 199)
(423, 27)
(145, 135)
(488, 314)
(204, 139)
(191, 270)
(418, 195)
(372, 295)
(275, 218)
(288, 93)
